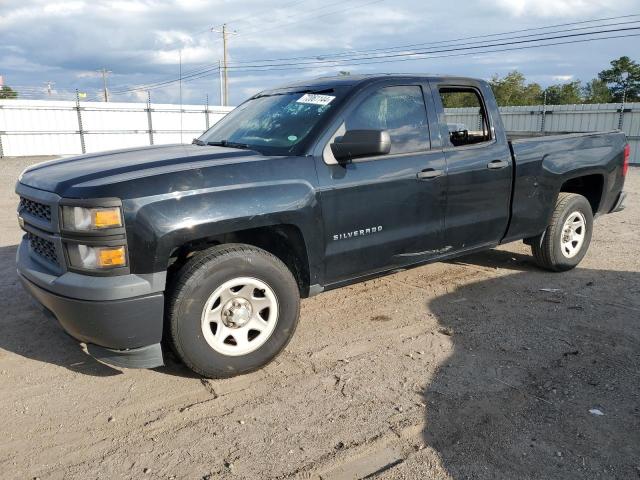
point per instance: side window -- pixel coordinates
(398, 110)
(465, 115)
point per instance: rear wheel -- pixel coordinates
(566, 239)
(232, 309)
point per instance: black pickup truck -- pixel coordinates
(209, 247)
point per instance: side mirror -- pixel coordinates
(361, 143)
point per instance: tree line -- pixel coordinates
(611, 84)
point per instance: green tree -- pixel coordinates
(596, 91)
(565, 93)
(513, 90)
(7, 92)
(624, 75)
(459, 100)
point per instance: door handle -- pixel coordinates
(428, 174)
(497, 164)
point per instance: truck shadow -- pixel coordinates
(28, 332)
(533, 353)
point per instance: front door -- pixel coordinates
(385, 211)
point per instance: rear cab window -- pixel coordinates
(465, 115)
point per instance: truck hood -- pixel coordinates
(97, 169)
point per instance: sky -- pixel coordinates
(141, 42)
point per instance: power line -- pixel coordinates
(210, 69)
(457, 54)
(429, 56)
(202, 71)
(400, 47)
(153, 86)
(430, 51)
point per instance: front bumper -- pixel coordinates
(120, 318)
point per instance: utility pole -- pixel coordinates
(180, 59)
(220, 80)
(224, 60)
(225, 32)
(49, 85)
(105, 72)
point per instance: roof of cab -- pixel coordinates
(352, 80)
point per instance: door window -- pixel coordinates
(465, 115)
(399, 110)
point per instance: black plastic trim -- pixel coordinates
(144, 357)
(619, 205)
(116, 324)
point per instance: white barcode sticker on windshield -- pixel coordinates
(315, 99)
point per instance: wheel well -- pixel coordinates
(589, 186)
(283, 241)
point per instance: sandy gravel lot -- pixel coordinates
(464, 369)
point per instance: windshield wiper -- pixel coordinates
(226, 143)
(199, 142)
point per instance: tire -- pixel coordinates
(557, 249)
(242, 293)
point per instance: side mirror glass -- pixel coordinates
(361, 143)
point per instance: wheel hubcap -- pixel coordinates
(573, 234)
(237, 312)
(239, 316)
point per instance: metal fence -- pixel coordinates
(563, 118)
(45, 127)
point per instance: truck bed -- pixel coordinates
(545, 162)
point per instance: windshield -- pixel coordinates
(272, 124)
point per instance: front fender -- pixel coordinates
(169, 221)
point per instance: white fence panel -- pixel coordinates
(44, 127)
(563, 118)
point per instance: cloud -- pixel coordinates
(555, 8)
(140, 40)
(562, 78)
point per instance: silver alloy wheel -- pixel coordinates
(574, 231)
(239, 316)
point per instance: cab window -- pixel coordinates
(466, 116)
(400, 110)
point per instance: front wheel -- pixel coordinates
(232, 309)
(566, 239)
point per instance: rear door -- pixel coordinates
(479, 166)
(385, 211)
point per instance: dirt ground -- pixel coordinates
(464, 369)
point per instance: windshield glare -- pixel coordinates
(272, 123)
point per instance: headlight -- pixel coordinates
(87, 219)
(87, 257)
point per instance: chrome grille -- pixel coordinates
(36, 209)
(43, 247)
